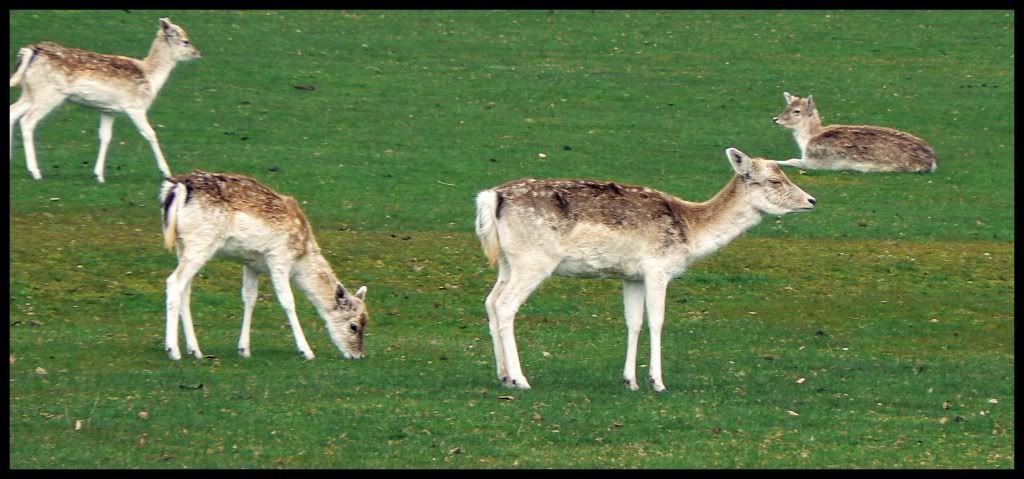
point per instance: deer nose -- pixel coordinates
(812, 200)
(775, 119)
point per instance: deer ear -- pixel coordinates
(340, 295)
(167, 27)
(810, 104)
(740, 162)
(788, 97)
(361, 293)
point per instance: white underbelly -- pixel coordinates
(235, 251)
(597, 267)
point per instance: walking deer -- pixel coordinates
(846, 147)
(50, 73)
(236, 217)
(581, 228)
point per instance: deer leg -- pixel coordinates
(279, 276)
(18, 109)
(521, 284)
(106, 131)
(191, 258)
(250, 283)
(492, 320)
(36, 112)
(795, 162)
(177, 283)
(139, 118)
(191, 343)
(633, 299)
(654, 294)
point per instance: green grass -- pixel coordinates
(893, 297)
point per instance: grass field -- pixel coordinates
(874, 332)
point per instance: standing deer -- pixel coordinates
(846, 147)
(235, 217)
(50, 73)
(580, 228)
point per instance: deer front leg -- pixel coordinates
(654, 290)
(139, 118)
(280, 278)
(795, 162)
(633, 300)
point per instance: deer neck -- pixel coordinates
(721, 219)
(158, 64)
(314, 276)
(809, 129)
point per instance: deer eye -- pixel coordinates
(354, 328)
(775, 182)
(797, 111)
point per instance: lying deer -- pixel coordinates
(50, 73)
(845, 147)
(235, 217)
(580, 228)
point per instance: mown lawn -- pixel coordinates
(874, 332)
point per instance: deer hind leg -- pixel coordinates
(492, 319)
(250, 285)
(633, 300)
(654, 296)
(191, 343)
(139, 118)
(521, 284)
(279, 276)
(41, 106)
(106, 132)
(18, 109)
(179, 283)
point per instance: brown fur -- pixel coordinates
(858, 147)
(241, 193)
(624, 207)
(865, 144)
(75, 62)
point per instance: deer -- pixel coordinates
(848, 147)
(50, 73)
(207, 215)
(532, 229)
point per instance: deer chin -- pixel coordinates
(349, 355)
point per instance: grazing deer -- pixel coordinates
(846, 147)
(235, 217)
(580, 228)
(50, 73)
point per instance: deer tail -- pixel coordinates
(24, 58)
(487, 203)
(172, 198)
